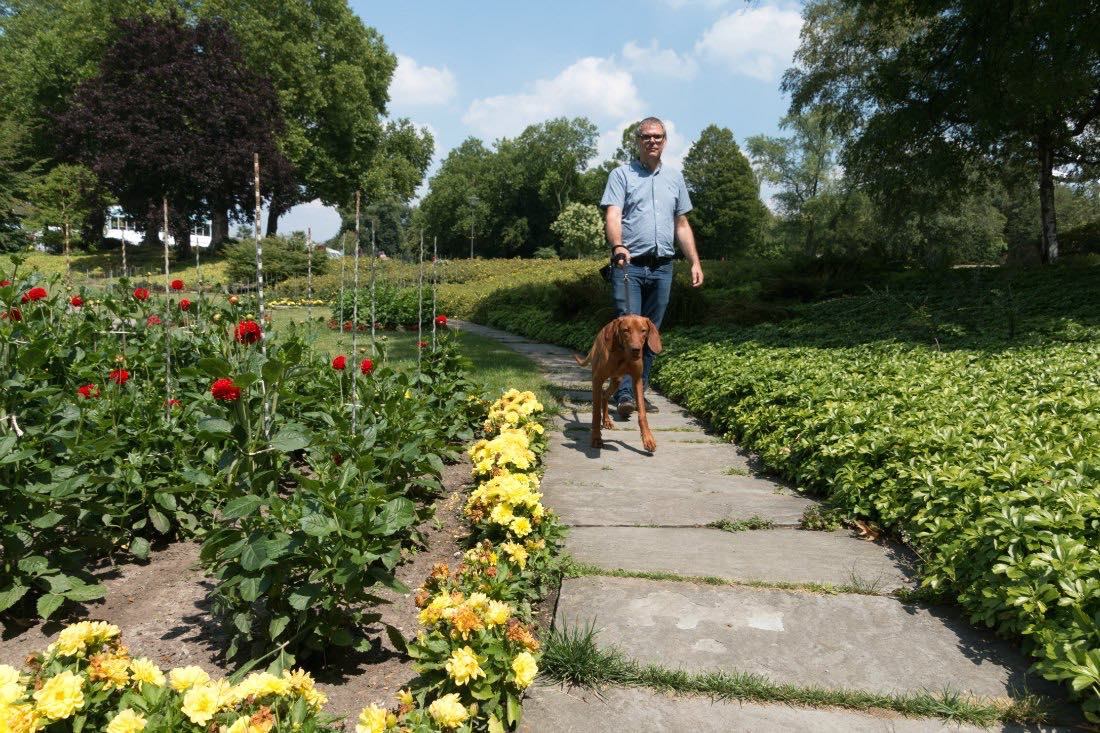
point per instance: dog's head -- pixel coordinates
(635, 332)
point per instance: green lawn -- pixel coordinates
(495, 365)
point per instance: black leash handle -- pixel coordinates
(619, 260)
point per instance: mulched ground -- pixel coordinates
(163, 609)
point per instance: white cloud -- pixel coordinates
(653, 59)
(591, 87)
(758, 42)
(706, 4)
(416, 85)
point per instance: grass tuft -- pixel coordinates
(742, 525)
(572, 656)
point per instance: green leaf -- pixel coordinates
(289, 439)
(11, 595)
(397, 639)
(514, 709)
(33, 564)
(213, 427)
(272, 370)
(215, 367)
(82, 593)
(47, 520)
(303, 596)
(395, 515)
(276, 626)
(251, 587)
(49, 603)
(242, 506)
(159, 520)
(255, 556)
(139, 547)
(318, 525)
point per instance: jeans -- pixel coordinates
(645, 294)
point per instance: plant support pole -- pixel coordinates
(373, 315)
(435, 256)
(309, 278)
(165, 324)
(420, 306)
(355, 324)
(260, 289)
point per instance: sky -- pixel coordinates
(489, 68)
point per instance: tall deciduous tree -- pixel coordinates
(728, 216)
(64, 198)
(175, 113)
(932, 86)
(332, 74)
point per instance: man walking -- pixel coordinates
(645, 208)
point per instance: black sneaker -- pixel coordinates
(650, 407)
(625, 408)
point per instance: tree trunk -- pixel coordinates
(1048, 245)
(91, 234)
(180, 223)
(272, 216)
(152, 226)
(219, 227)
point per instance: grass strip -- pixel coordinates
(572, 656)
(581, 570)
(742, 525)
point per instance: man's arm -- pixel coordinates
(686, 238)
(613, 226)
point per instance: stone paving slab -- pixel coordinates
(552, 709)
(688, 456)
(838, 641)
(785, 555)
(666, 502)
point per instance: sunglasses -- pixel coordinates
(658, 138)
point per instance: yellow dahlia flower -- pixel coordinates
(525, 668)
(143, 670)
(448, 711)
(126, 722)
(184, 678)
(371, 720)
(10, 688)
(521, 526)
(498, 613)
(200, 703)
(516, 552)
(61, 696)
(20, 719)
(463, 666)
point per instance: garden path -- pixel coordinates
(646, 515)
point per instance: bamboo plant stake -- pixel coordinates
(420, 306)
(343, 280)
(373, 261)
(121, 228)
(355, 325)
(309, 279)
(260, 289)
(435, 256)
(165, 325)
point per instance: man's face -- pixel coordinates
(651, 142)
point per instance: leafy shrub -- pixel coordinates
(580, 229)
(283, 257)
(394, 306)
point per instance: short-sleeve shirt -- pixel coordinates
(650, 201)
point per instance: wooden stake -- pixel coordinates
(309, 279)
(420, 305)
(165, 324)
(373, 262)
(260, 290)
(435, 256)
(355, 325)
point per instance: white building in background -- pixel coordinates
(119, 226)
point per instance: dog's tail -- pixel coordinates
(587, 359)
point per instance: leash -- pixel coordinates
(620, 260)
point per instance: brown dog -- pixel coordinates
(618, 350)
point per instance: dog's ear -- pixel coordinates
(610, 335)
(653, 340)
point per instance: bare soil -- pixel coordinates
(163, 607)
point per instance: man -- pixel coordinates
(645, 207)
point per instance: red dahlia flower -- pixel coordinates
(441, 320)
(141, 293)
(173, 403)
(14, 314)
(339, 363)
(153, 320)
(88, 391)
(225, 390)
(421, 344)
(76, 301)
(366, 366)
(34, 294)
(5, 283)
(185, 304)
(248, 332)
(119, 376)
(177, 285)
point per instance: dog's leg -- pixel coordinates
(643, 421)
(612, 388)
(598, 408)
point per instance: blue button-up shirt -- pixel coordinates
(650, 202)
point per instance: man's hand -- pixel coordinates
(696, 274)
(620, 255)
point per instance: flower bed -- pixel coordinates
(477, 650)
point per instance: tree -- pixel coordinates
(728, 216)
(332, 74)
(64, 197)
(932, 86)
(399, 163)
(17, 174)
(457, 196)
(580, 228)
(176, 147)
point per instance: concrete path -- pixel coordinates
(696, 597)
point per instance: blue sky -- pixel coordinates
(489, 69)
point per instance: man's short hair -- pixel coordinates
(650, 121)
